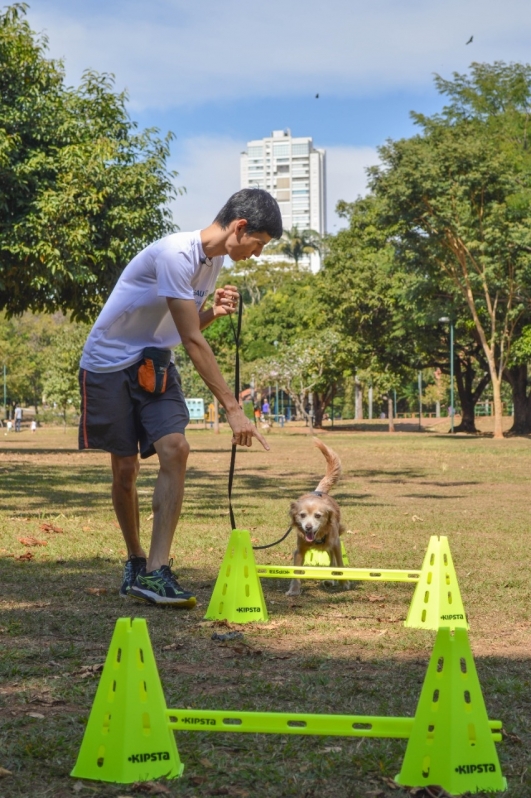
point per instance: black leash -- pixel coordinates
(237, 332)
(270, 545)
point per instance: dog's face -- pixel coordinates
(312, 516)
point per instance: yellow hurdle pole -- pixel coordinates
(321, 572)
(205, 720)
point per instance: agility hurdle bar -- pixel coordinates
(322, 572)
(238, 595)
(129, 735)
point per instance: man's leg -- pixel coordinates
(125, 501)
(158, 584)
(173, 452)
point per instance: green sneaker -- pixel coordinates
(161, 587)
(133, 567)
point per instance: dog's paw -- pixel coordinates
(347, 586)
(329, 583)
(294, 591)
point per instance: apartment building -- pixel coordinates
(294, 172)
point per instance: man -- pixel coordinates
(131, 393)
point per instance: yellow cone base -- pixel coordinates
(127, 738)
(238, 595)
(451, 743)
(437, 599)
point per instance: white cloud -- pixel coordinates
(171, 52)
(346, 178)
(209, 169)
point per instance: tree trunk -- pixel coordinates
(390, 413)
(319, 407)
(498, 406)
(468, 395)
(517, 379)
(320, 403)
(358, 399)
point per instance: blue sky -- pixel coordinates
(221, 72)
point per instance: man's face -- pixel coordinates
(241, 245)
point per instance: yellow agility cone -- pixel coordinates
(322, 558)
(437, 599)
(452, 743)
(238, 595)
(127, 738)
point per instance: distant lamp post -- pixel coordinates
(447, 320)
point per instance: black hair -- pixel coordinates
(257, 207)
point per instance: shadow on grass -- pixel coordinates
(80, 488)
(433, 496)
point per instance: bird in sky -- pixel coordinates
(470, 40)
(316, 96)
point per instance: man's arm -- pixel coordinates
(186, 318)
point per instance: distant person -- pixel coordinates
(34, 426)
(130, 389)
(18, 418)
(265, 409)
(9, 425)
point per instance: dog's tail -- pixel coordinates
(333, 468)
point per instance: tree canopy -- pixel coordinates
(81, 189)
(458, 200)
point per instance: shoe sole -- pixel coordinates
(163, 601)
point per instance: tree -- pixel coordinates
(25, 351)
(308, 367)
(81, 190)
(363, 295)
(517, 375)
(295, 244)
(255, 278)
(60, 382)
(459, 197)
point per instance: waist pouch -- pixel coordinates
(153, 370)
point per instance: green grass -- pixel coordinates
(330, 651)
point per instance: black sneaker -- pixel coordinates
(161, 587)
(133, 567)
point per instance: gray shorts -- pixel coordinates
(119, 416)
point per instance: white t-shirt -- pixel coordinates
(136, 315)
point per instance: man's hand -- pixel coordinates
(243, 431)
(225, 300)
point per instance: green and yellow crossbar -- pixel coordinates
(342, 574)
(297, 723)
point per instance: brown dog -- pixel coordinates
(317, 519)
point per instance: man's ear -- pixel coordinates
(240, 227)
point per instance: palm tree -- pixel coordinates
(295, 244)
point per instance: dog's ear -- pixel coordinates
(293, 509)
